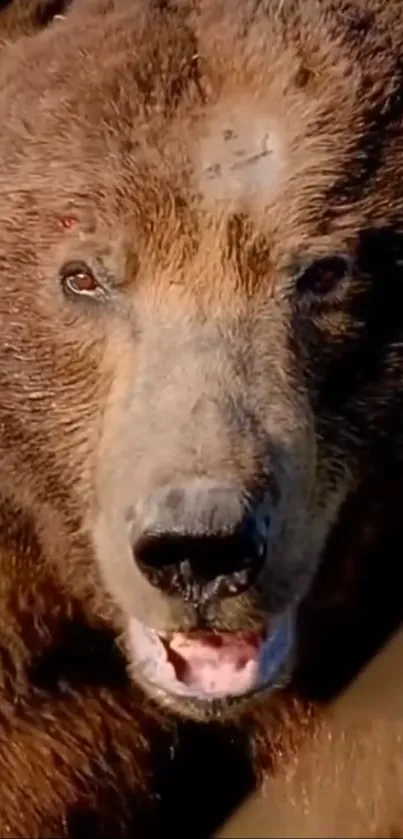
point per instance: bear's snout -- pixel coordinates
(201, 539)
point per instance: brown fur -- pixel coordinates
(114, 121)
(25, 17)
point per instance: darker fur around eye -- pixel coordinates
(323, 276)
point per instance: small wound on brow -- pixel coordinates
(68, 222)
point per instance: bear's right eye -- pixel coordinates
(78, 279)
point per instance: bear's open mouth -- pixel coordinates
(207, 665)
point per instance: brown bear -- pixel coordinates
(200, 396)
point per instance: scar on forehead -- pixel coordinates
(239, 155)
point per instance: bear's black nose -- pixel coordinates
(200, 540)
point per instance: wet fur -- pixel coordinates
(83, 752)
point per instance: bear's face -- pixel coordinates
(191, 373)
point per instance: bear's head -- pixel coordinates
(200, 317)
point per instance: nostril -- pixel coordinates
(223, 564)
(210, 555)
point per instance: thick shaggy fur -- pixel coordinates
(108, 117)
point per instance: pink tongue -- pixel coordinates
(216, 664)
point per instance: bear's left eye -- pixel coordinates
(323, 275)
(78, 279)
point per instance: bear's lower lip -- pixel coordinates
(211, 666)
